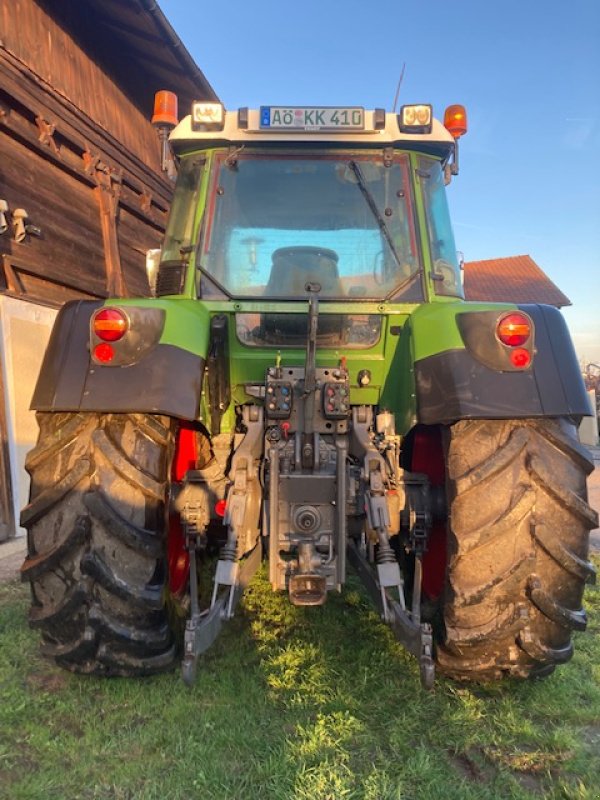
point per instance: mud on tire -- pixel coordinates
(518, 547)
(96, 551)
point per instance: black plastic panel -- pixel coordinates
(166, 379)
(456, 385)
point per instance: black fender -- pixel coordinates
(457, 384)
(147, 377)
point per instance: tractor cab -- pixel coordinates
(350, 199)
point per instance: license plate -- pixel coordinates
(313, 118)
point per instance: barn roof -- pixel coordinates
(514, 279)
(134, 41)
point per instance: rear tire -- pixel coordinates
(96, 541)
(518, 548)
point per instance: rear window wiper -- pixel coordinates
(374, 210)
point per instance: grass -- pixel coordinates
(308, 704)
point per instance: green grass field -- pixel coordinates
(295, 703)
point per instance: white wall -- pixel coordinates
(588, 430)
(24, 332)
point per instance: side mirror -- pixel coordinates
(152, 262)
(461, 264)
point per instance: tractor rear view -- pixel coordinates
(308, 386)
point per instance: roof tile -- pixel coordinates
(515, 279)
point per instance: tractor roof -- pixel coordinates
(330, 127)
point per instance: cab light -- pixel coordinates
(520, 358)
(104, 353)
(208, 116)
(514, 329)
(455, 121)
(110, 324)
(415, 119)
(165, 109)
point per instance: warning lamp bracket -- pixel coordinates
(451, 165)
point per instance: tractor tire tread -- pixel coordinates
(96, 558)
(36, 565)
(519, 527)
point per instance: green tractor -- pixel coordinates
(308, 386)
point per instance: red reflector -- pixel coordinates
(104, 353)
(220, 507)
(514, 329)
(110, 325)
(520, 358)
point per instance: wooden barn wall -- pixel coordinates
(69, 251)
(96, 204)
(33, 36)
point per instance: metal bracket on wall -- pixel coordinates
(46, 136)
(146, 201)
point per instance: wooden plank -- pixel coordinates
(108, 204)
(69, 155)
(65, 211)
(18, 82)
(135, 239)
(62, 204)
(35, 37)
(138, 198)
(18, 280)
(85, 238)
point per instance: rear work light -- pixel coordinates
(415, 119)
(208, 116)
(514, 329)
(110, 324)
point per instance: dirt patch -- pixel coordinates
(16, 763)
(473, 765)
(531, 768)
(532, 783)
(523, 759)
(591, 736)
(49, 682)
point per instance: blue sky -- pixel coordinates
(528, 72)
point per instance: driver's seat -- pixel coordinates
(294, 267)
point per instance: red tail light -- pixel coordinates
(220, 507)
(520, 358)
(110, 324)
(104, 353)
(514, 329)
